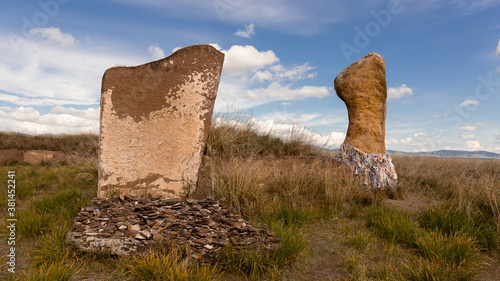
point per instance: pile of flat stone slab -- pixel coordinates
(126, 225)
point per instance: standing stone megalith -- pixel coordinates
(362, 87)
(155, 120)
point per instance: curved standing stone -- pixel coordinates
(155, 120)
(362, 87)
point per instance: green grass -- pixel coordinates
(50, 272)
(49, 211)
(255, 262)
(457, 250)
(170, 266)
(80, 144)
(453, 255)
(449, 219)
(358, 239)
(395, 225)
(51, 247)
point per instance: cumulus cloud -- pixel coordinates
(156, 52)
(262, 76)
(497, 51)
(416, 142)
(30, 76)
(55, 36)
(276, 91)
(468, 102)
(472, 145)
(89, 113)
(29, 120)
(249, 31)
(399, 92)
(35, 74)
(251, 78)
(242, 59)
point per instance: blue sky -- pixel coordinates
(442, 62)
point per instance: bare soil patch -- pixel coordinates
(412, 203)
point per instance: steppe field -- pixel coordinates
(441, 223)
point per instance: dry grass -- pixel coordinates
(81, 144)
(467, 186)
(332, 228)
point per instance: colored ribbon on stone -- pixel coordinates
(377, 170)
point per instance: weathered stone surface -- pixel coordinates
(362, 87)
(155, 120)
(10, 155)
(127, 225)
(40, 156)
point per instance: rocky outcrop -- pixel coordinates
(363, 88)
(155, 120)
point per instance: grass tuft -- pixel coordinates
(449, 219)
(51, 248)
(51, 272)
(458, 250)
(171, 265)
(395, 225)
(255, 262)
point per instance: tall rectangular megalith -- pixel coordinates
(155, 120)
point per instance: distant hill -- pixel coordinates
(445, 153)
(453, 153)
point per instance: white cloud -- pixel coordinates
(399, 92)
(34, 74)
(55, 36)
(262, 76)
(305, 119)
(89, 113)
(416, 142)
(277, 91)
(286, 103)
(473, 145)
(467, 137)
(50, 75)
(251, 78)
(497, 51)
(156, 52)
(249, 31)
(468, 102)
(288, 131)
(26, 101)
(298, 72)
(392, 141)
(29, 120)
(471, 127)
(242, 59)
(436, 115)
